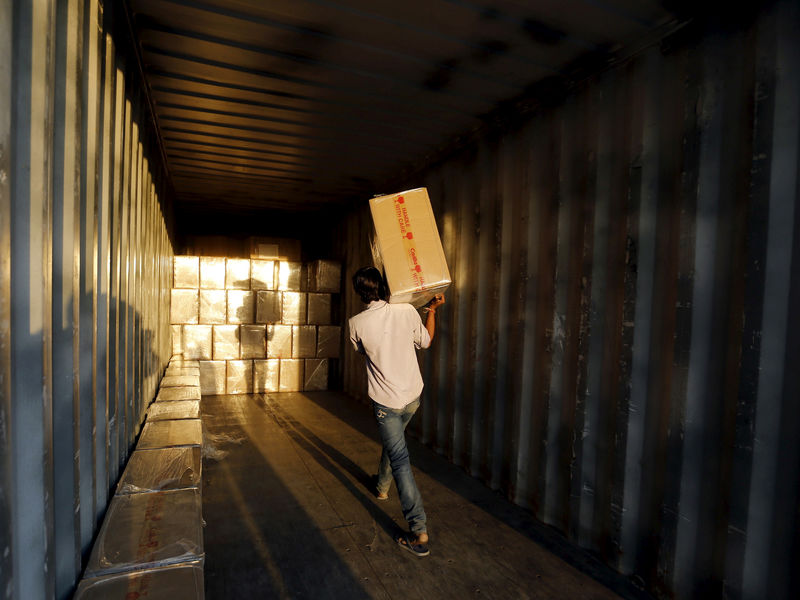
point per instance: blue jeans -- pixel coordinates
(395, 462)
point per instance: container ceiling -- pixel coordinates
(297, 104)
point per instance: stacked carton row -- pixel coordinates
(255, 325)
(151, 538)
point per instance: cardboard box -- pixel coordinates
(316, 375)
(240, 377)
(196, 342)
(161, 469)
(177, 339)
(291, 375)
(165, 434)
(237, 274)
(279, 341)
(241, 306)
(409, 246)
(328, 341)
(180, 381)
(275, 248)
(184, 307)
(168, 411)
(325, 276)
(171, 394)
(262, 274)
(170, 523)
(213, 307)
(226, 342)
(268, 307)
(253, 341)
(212, 273)
(186, 272)
(266, 375)
(304, 341)
(290, 276)
(183, 581)
(294, 308)
(319, 309)
(213, 375)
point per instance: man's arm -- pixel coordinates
(430, 321)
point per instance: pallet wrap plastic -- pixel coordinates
(165, 434)
(161, 469)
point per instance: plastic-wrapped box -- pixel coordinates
(253, 341)
(180, 381)
(319, 309)
(186, 272)
(325, 276)
(226, 342)
(268, 307)
(237, 274)
(184, 307)
(241, 306)
(279, 341)
(182, 581)
(291, 376)
(148, 530)
(212, 273)
(409, 246)
(290, 276)
(196, 342)
(294, 308)
(213, 375)
(164, 434)
(316, 375)
(172, 394)
(182, 361)
(262, 274)
(161, 469)
(239, 377)
(328, 341)
(213, 307)
(181, 371)
(304, 341)
(177, 339)
(179, 409)
(266, 375)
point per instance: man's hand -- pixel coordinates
(436, 302)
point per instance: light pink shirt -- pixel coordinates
(389, 335)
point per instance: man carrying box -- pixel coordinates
(388, 334)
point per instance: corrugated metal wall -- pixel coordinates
(84, 284)
(619, 351)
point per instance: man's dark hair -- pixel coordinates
(369, 284)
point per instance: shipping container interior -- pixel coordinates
(615, 186)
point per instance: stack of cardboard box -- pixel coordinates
(256, 325)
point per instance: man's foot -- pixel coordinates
(417, 545)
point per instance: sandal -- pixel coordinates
(405, 541)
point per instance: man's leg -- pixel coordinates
(384, 480)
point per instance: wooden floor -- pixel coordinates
(290, 514)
